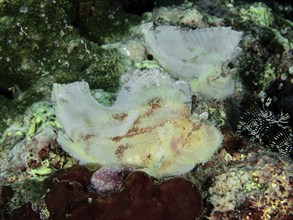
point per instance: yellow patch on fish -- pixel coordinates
(150, 126)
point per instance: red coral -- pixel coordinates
(140, 198)
(25, 212)
(76, 173)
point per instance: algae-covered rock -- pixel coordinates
(258, 186)
(39, 45)
(257, 13)
(107, 17)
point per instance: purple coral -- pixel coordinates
(108, 178)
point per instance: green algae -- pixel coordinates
(36, 118)
(107, 17)
(257, 13)
(42, 47)
(28, 191)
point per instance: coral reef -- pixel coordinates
(29, 147)
(258, 186)
(50, 50)
(258, 13)
(149, 126)
(178, 16)
(34, 120)
(139, 198)
(46, 42)
(25, 211)
(104, 22)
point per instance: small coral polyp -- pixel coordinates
(149, 126)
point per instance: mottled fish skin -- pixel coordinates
(149, 126)
(198, 56)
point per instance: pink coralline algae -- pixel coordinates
(108, 179)
(257, 185)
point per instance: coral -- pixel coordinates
(70, 186)
(29, 153)
(46, 42)
(108, 179)
(259, 184)
(192, 18)
(7, 211)
(103, 97)
(262, 17)
(28, 192)
(257, 13)
(24, 165)
(34, 120)
(135, 50)
(25, 211)
(6, 193)
(75, 173)
(225, 195)
(139, 198)
(29, 147)
(25, 153)
(167, 15)
(214, 9)
(198, 56)
(106, 22)
(149, 126)
(50, 50)
(178, 16)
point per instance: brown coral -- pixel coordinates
(140, 198)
